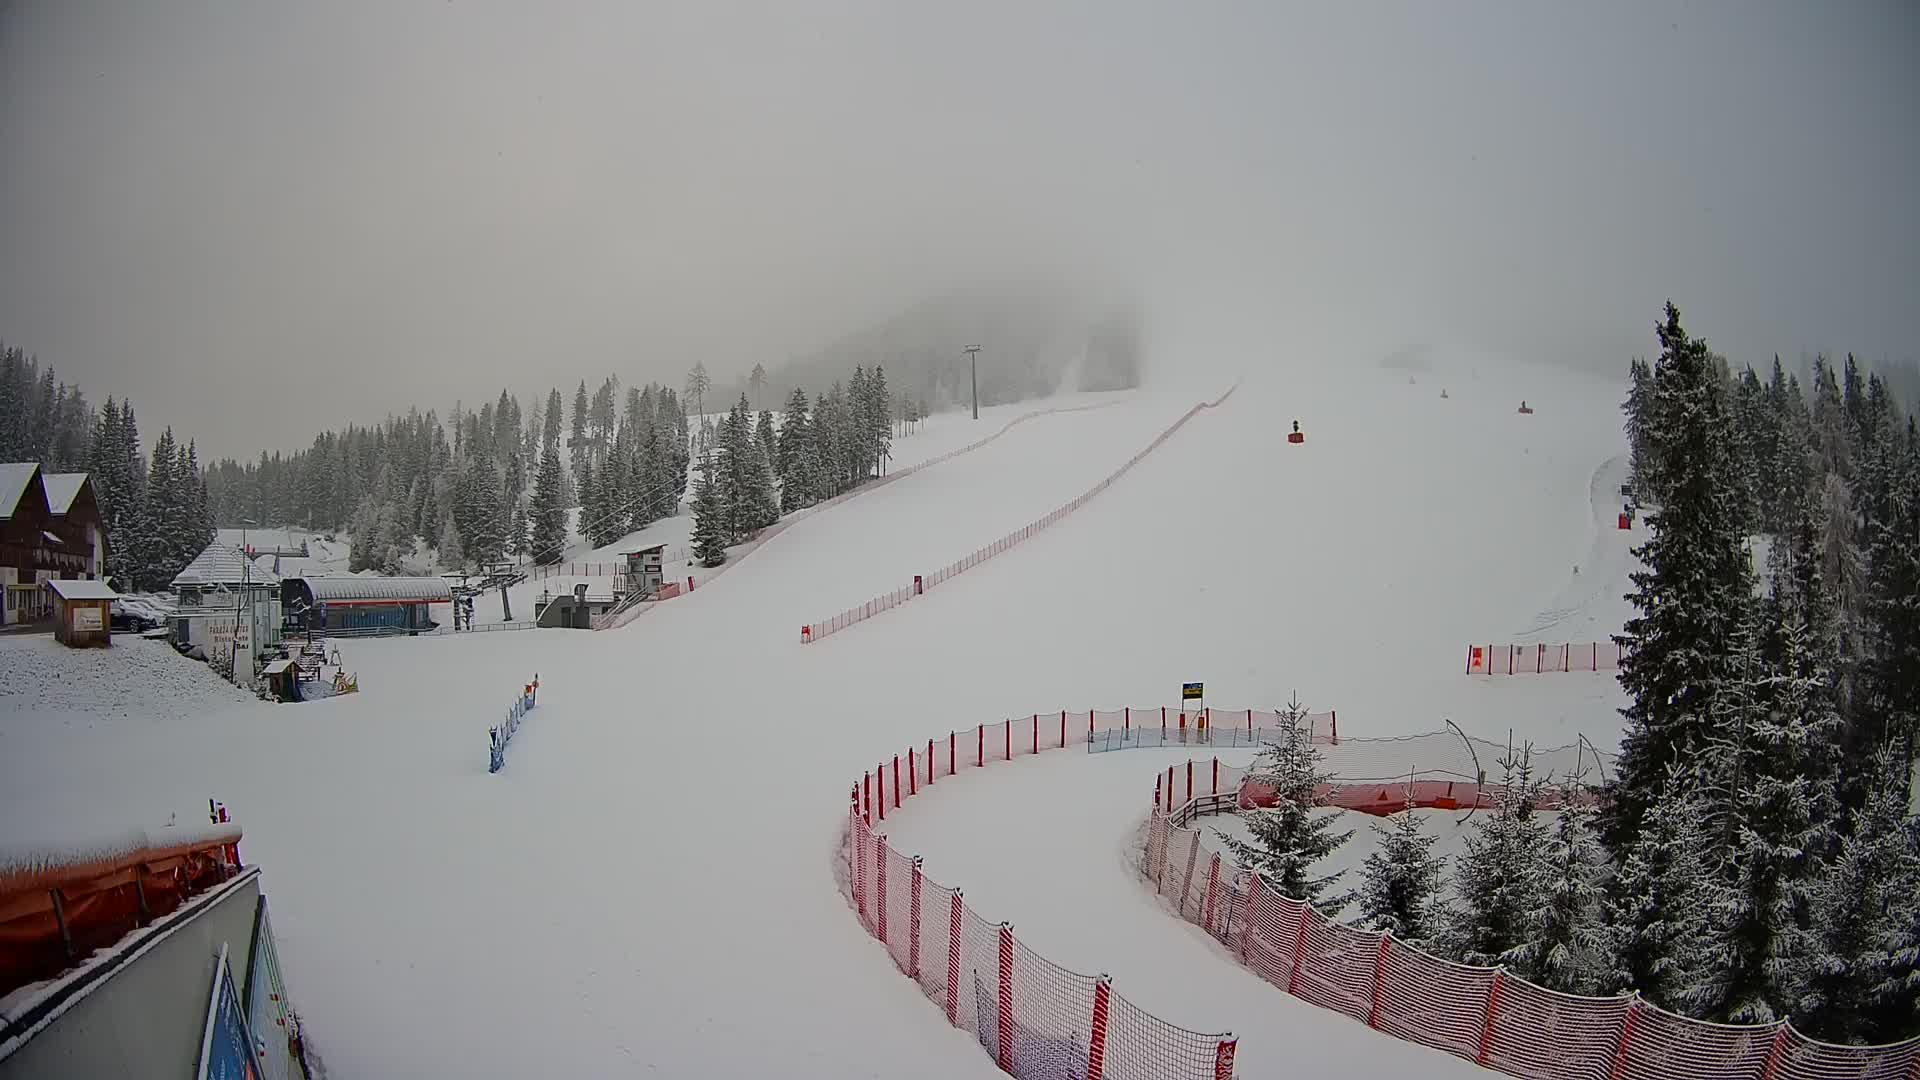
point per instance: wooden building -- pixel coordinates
(82, 612)
(49, 528)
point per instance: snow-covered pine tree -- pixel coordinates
(1895, 995)
(1498, 880)
(795, 454)
(549, 524)
(577, 441)
(1854, 910)
(1639, 391)
(451, 554)
(1400, 880)
(757, 379)
(1692, 592)
(709, 514)
(485, 534)
(1889, 705)
(879, 422)
(769, 445)
(164, 514)
(1658, 918)
(1290, 838)
(1565, 947)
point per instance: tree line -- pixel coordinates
(154, 507)
(1754, 856)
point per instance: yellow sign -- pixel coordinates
(1192, 691)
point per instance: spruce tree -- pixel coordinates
(1565, 946)
(1499, 878)
(1658, 919)
(1895, 994)
(485, 531)
(451, 553)
(1400, 881)
(1855, 909)
(795, 454)
(549, 524)
(1293, 836)
(1639, 392)
(577, 442)
(1690, 595)
(709, 525)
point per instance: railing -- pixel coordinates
(1486, 1015)
(1539, 659)
(1034, 1018)
(812, 632)
(499, 737)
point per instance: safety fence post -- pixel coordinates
(1170, 769)
(1626, 1038)
(1299, 946)
(980, 751)
(1006, 997)
(867, 781)
(1036, 732)
(929, 762)
(953, 756)
(1333, 718)
(1223, 1057)
(1213, 892)
(1163, 723)
(1778, 1048)
(1126, 723)
(880, 782)
(1008, 733)
(1189, 779)
(1379, 977)
(1246, 920)
(860, 877)
(880, 885)
(913, 924)
(953, 959)
(913, 775)
(1216, 777)
(1493, 1010)
(1097, 1037)
(896, 781)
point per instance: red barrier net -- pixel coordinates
(1035, 1019)
(1485, 1015)
(812, 632)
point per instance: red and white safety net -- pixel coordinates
(1539, 659)
(1485, 1015)
(1034, 1019)
(814, 631)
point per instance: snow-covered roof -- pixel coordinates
(82, 590)
(61, 488)
(14, 478)
(338, 590)
(223, 564)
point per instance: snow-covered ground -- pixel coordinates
(648, 886)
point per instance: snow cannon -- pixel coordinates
(1525, 409)
(1295, 436)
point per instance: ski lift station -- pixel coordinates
(363, 605)
(640, 579)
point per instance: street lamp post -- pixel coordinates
(973, 358)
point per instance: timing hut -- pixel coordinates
(364, 605)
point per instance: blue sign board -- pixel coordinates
(226, 1047)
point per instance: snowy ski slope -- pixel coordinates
(648, 885)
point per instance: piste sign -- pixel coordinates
(1193, 691)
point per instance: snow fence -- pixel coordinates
(1492, 1018)
(812, 632)
(499, 737)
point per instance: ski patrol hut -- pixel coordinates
(362, 605)
(82, 612)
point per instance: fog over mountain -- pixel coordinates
(264, 220)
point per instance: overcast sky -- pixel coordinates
(262, 219)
